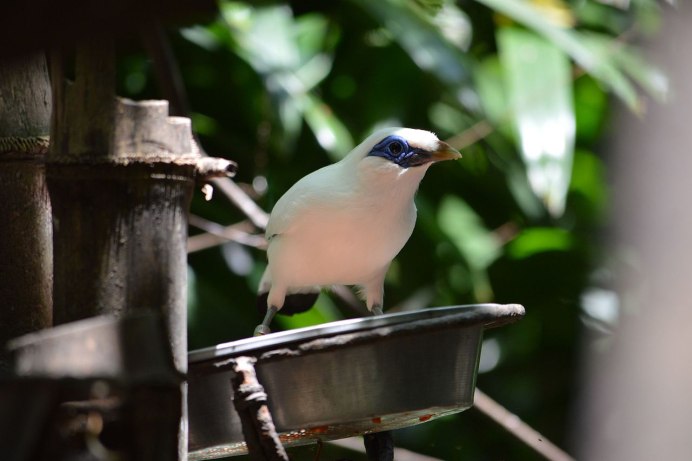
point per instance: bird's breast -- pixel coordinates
(347, 244)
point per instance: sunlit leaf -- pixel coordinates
(518, 184)
(314, 71)
(591, 57)
(264, 35)
(288, 53)
(200, 36)
(329, 131)
(556, 11)
(453, 24)
(539, 87)
(649, 77)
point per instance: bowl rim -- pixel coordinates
(489, 315)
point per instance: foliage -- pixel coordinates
(522, 86)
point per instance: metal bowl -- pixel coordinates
(345, 378)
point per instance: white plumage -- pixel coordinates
(344, 223)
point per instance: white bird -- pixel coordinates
(344, 223)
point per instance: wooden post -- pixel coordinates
(121, 176)
(25, 220)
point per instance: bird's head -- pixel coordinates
(406, 147)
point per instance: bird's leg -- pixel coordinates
(263, 328)
(374, 293)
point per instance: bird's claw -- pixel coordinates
(377, 310)
(262, 330)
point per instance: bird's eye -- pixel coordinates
(395, 147)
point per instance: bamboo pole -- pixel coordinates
(25, 219)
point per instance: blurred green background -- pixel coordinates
(524, 88)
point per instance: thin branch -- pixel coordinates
(239, 198)
(518, 428)
(477, 132)
(216, 234)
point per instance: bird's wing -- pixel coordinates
(310, 191)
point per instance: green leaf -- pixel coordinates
(431, 48)
(329, 131)
(467, 232)
(310, 33)
(539, 240)
(590, 109)
(539, 88)
(324, 311)
(475, 242)
(649, 77)
(490, 85)
(204, 124)
(589, 54)
(263, 35)
(289, 54)
(589, 183)
(200, 36)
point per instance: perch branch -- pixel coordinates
(250, 401)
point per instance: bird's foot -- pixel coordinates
(261, 330)
(376, 310)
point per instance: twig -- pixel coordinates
(250, 402)
(216, 234)
(239, 198)
(478, 131)
(519, 429)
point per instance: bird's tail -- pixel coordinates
(294, 303)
